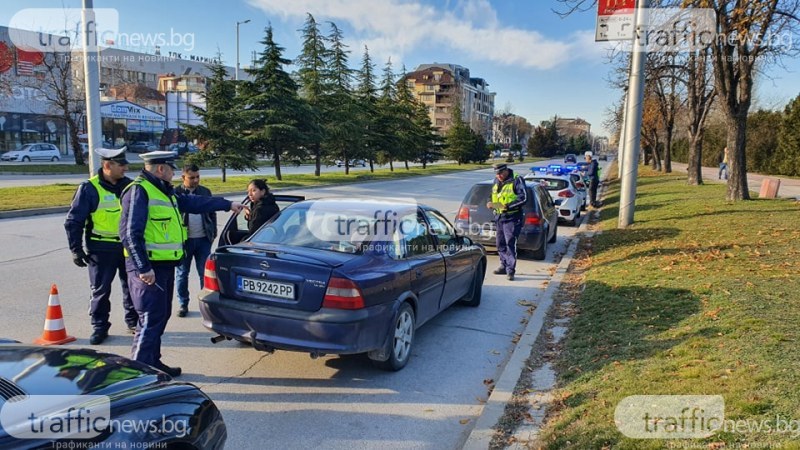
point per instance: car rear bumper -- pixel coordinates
(527, 240)
(329, 331)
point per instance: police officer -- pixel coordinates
(153, 234)
(94, 215)
(508, 196)
(593, 172)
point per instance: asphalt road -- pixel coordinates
(288, 400)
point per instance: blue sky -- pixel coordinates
(538, 63)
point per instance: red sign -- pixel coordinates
(610, 7)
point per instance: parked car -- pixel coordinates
(570, 158)
(137, 394)
(182, 148)
(603, 157)
(351, 163)
(140, 147)
(303, 283)
(539, 227)
(38, 151)
(562, 190)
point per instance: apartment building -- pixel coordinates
(572, 128)
(441, 86)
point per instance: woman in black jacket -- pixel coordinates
(263, 205)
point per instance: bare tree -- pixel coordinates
(700, 99)
(750, 36)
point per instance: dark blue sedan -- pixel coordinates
(341, 276)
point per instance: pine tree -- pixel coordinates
(276, 119)
(220, 132)
(387, 113)
(787, 157)
(313, 66)
(459, 140)
(367, 99)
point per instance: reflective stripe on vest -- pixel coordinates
(506, 196)
(105, 219)
(164, 233)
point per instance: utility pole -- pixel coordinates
(91, 58)
(633, 120)
(237, 46)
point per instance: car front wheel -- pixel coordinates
(54, 159)
(401, 341)
(26, 159)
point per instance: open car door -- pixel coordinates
(235, 229)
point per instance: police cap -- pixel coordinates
(160, 157)
(499, 167)
(112, 154)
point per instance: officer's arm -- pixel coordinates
(519, 189)
(83, 204)
(132, 224)
(199, 204)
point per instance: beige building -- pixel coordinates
(441, 86)
(572, 128)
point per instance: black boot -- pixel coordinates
(171, 371)
(499, 271)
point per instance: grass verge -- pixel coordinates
(61, 194)
(699, 296)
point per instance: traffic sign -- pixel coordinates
(614, 20)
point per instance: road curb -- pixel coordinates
(481, 435)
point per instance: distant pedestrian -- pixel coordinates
(508, 196)
(153, 235)
(263, 205)
(201, 230)
(723, 165)
(593, 172)
(94, 217)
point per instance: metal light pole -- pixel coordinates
(633, 121)
(91, 84)
(237, 46)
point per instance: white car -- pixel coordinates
(33, 152)
(562, 189)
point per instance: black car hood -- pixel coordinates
(26, 369)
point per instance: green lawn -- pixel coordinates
(61, 194)
(698, 296)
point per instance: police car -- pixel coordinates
(560, 183)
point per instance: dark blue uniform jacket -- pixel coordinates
(134, 218)
(79, 220)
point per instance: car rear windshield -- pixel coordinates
(479, 194)
(334, 227)
(551, 184)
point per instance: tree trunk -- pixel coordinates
(737, 166)
(668, 151)
(276, 160)
(317, 160)
(224, 172)
(371, 165)
(695, 170)
(407, 168)
(73, 138)
(424, 164)
(391, 165)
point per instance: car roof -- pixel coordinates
(549, 175)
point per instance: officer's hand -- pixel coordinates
(237, 207)
(489, 205)
(80, 258)
(148, 277)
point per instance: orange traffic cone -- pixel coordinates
(54, 331)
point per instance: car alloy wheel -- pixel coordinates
(26, 159)
(401, 340)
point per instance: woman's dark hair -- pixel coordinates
(261, 184)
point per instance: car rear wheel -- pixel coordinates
(26, 159)
(474, 296)
(54, 159)
(541, 252)
(555, 233)
(402, 340)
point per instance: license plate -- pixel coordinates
(266, 287)
(489, 233)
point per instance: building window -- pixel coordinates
(430, 87)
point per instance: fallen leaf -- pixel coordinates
(525, 303)
(488, 381)
(463, 421)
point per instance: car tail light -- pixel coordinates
(210, 281)
(463, 213)
(580, 185)
(566, 193)
(531, 218)
(342, 294)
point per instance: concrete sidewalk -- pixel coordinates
(790, 187)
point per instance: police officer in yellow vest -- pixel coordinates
(508, 196)
(153, 234)
(94, 217)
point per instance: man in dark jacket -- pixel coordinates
(94, 216)
(153, 235)
(593, 172)
(201, 230)
(508, 196)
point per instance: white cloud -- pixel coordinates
(397, 27)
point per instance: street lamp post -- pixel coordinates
(237, 46)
